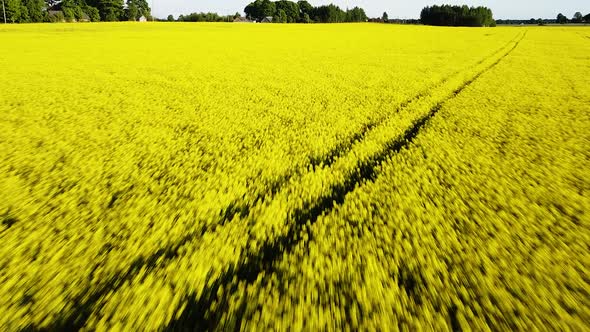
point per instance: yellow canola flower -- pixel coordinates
(225, 182)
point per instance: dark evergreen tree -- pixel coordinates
(329, 14)
(447, 15)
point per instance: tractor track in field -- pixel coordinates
(195, 315)
(85, 304)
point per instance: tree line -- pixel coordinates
(447, 15)
(32, 11)
(204, 17)
(577, 18)
(284, 11)
(561, 19)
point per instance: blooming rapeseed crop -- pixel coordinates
(307, 176)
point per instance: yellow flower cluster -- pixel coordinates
(481, 223)
(218, 176)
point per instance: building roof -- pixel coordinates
(52, 13)
(242, 20)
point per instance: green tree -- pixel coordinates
(132, 11)
(36, 10)
(170, 18)
(329, 14)
(587, 18)
(356, 14)
(251, 11)
(109, 10)
(68, 14)
(385, 17)
(268, 8)
(561, 19)
(447, 15)
(578, 18)
(14, 11)
(72, 10)
(305, 8)
(290, 8)
(144, 8)
(280, 17)
(260, 9)
(92, 13)
(136, 9)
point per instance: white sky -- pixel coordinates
(517, 9)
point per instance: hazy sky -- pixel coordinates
(523, 9)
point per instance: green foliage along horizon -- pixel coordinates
(204, 17)
(36, 11)
(284, 11)
(447, 15)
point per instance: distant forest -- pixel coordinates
(283, 12)
(457, 16)
(578, 18)
(33, 11)
(481, 16)
(301, 12)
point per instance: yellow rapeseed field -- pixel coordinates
(174, 176)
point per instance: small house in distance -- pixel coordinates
(55, 14)
(142, 19)
(267, 19)
(242, 20)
